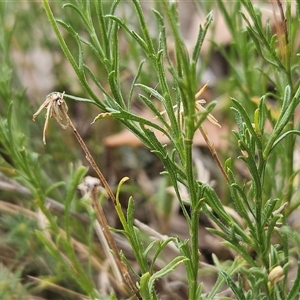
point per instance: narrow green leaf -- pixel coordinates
(286, 98)
(79, 99)
(166, 270)
(112, 12)
(130, 213)
(145, 290)
(151, 91)
(237, 290)
(104, 33)
(215, 203)
(201, 35)
(48, 245)
(270, 231)
(54, 186)
(239, 120)
(240, 200)
(115, 88)
(161, 246)
(262, 115)
(268, 30)
(149, 247)
(132, 33)
(67, 51)
(79, 12)
(247, 121)
(283, 136)
(242, 251)
(144, 27)
(135, 238)
(268, 210)
(157, 113)
(282, 121)
(137, 75)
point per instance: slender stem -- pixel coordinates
(99, 212)
(290, 126)
(102, 220)
(89, 157)
(194, 223)
(195, 254)
(213, 152)
(79, 72)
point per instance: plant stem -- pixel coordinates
(213, 153)
(194, 222)
(99, 212)
(79, 72)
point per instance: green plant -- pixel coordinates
(182, 126)
(265, 140)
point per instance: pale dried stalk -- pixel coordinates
(87, 186)
(213, 120)
(99, 212)
(55, 103)
(213, 152)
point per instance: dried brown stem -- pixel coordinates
(99, 212)
(213, 153)
(283, 20)
(102, 220)
(55, 104)
(89, 157)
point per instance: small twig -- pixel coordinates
(89, 157)
(213, 153)
(91, 188)
(283, 20)
(281, 28)
(212, 119)
(99, 212)
(54, 104)
(102, 220)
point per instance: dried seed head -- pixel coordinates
(53, 104)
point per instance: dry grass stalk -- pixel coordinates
(55, 104)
